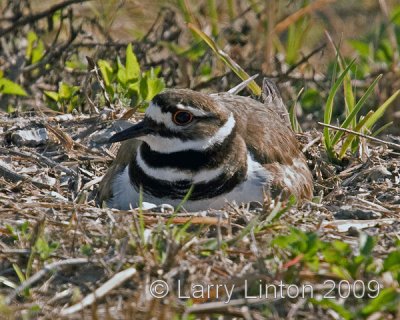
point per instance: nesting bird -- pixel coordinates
(228, 147)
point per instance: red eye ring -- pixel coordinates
(182, 118)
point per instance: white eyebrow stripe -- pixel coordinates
(194, 111)
(173, 174)
(170, 145)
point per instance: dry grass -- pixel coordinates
(92, 245)
(61, 255)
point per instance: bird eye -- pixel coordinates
(181, 118)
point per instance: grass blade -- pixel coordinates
(351, 137)
(381, 110)
(292, 114)
(213, 12)
(254, 87)
(184, 200)
(355, 110)
(381, 129)
(329, 108)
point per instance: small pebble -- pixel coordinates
(30, 138)
(357, 214)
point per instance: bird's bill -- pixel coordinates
(138, 130)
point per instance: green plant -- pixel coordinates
(35, 49)
(19, 232)
(352, 121)
(380, 47)
(253, 86)
(127, 84)
(301, 244)
(44, 248)
(9, 87)
(297, 33)
(66, 99)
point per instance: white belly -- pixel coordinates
(252, 189)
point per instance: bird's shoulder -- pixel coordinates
(266, 133)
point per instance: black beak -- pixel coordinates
(138, 130)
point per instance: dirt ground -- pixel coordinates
(48, 191)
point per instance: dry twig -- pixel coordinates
(39, 275)
(362, 135)
(100, 292)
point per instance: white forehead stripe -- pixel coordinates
(169, 145)
(154, 113)
(194, 111)
(172, 174)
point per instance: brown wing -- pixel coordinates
(126, 153)
(265, 133)
(272, 142)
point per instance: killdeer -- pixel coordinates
(229, 147)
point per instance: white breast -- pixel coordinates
(252, 189)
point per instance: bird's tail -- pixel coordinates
(273, 100)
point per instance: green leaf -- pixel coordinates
(182, 203)
(31, 37)
(9, 87)
(367, 244)
(392, 262)
(35, 48)
(363, 48)
(106, 71)
(143, 88)
(293, 115)
(330, 304)
(38, 52)
(297, 32)
(341, 272)
(52, 95)
(121, 74)
(381, 110)
(385, 51)
(154, 85)
(65, 91)
(134, 94)
(45, 248)
(131, 65)
(387, 300)
(311, 100)
(395, 16)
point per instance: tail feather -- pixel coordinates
(273, 100)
